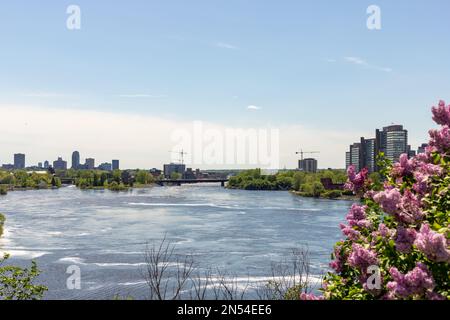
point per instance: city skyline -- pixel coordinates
(313, 70)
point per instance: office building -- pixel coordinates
(356, 156)
(422, 148)
(8, 166)
(392, 141)
(19, 161)
(174, 168)
(105, 166)
(75, 160)
(89, 164)
(60, 164)
(347, 159)
(368, 159)
(308, 165)
(39, 164)
(115, 164)
(46, 164)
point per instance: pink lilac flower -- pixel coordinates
(355, 181)
(338, 261)
(405, 239)
(349, 232)
(384, 231)
(406, 208)
(357, 217)
(421, 185)
(410, 208)
(361, 257)
(403, 167)
(310, 296)
(440, 139)
(432, 244)
(389, 200)
(441, 114)
(417, 282)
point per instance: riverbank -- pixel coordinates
(322, 196)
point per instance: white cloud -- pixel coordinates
(138, 140)
(364, 63)
(44, 95)
(225, 45)
(252, 107)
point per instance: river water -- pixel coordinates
(105, 233)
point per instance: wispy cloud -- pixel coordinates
(330, 60)
(364, 63)
(142, 95)
(225, 45)
(44, 95)
(252, 107)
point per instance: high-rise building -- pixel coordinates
(392, 141)
(46, 164)
(75, 160)
(356, 156)
(90, 163)
(115, 164)
(60, 164)
(422, 148)
(39, 164)
(174, 167)
(105, 166)
(368, 154)
(19, 161)
(308, 165)
(347, 160)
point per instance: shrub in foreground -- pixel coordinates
(397, 241)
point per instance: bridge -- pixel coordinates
(179, 182)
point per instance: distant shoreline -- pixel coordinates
(342, 197)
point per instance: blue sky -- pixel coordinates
(308, 63)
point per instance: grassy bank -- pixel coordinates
(306, 184)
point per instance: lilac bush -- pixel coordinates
(401, 229)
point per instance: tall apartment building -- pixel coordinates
(392, 141)
(356, 156)
(19, 161)
(308, 165)
(75, 160)
(174, 167)
(90, 163)
(115, 164)
(60, 164)
(422, 148)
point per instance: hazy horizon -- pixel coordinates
(136, 72)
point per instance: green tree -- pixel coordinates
(18, 283)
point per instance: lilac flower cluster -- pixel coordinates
(338, 261)
(405, 239)
(310, 296)
(441, 114)
(440, 140)
(356, 182)
(416, 283)
(362, 258)
(405, 208)
(411, 206)
(432, 244)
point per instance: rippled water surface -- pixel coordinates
(106, 233)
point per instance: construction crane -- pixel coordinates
(181, 153)
(301, 152)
